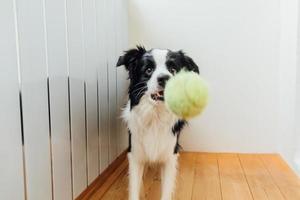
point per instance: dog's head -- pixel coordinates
(150, 70)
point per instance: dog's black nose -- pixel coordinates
(162, 79)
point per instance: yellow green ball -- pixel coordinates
(186, 94)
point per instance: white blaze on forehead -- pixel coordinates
(159, 56)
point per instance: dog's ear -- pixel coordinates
(131, 56)
(189, 63)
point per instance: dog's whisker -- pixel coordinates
(140, 93)
(138, 89)
(139, 83)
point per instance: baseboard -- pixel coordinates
(297, 164)
(105, 179)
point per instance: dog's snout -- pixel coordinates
(162, 79)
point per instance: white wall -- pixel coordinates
(297, 120)
(237, 47)
(297, 141)
(288, 80)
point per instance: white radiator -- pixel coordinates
(60, 95)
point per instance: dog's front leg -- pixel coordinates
(168, 173)
(136, 169)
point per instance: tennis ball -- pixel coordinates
(186, 94)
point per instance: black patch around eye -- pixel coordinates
(148, 62)
(139, 79)
(149, 70)
(182, 61)
(148, 66)
(172, 66)
(171, 63)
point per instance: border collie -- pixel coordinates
(153, 129)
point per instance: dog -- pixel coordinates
(153, 130)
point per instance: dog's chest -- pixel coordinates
(153, 144)
(152, 138)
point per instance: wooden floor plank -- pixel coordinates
(151, 183)
(185, 177)
(207, 180)
(259, 179)
(110, 182)
(103, 181)
(119, 189)
(283, 176)
(149, 190)
(213, 176)
(234, 185)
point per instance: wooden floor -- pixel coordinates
(215, 176)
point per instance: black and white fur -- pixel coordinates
(153, 129)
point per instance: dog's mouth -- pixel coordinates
(158, 96)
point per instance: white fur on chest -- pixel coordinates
(151, 125)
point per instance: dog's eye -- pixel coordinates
(173, 70)
(149, 70)
(172, 67)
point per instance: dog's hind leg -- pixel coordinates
(168, 174)
(135, 177)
